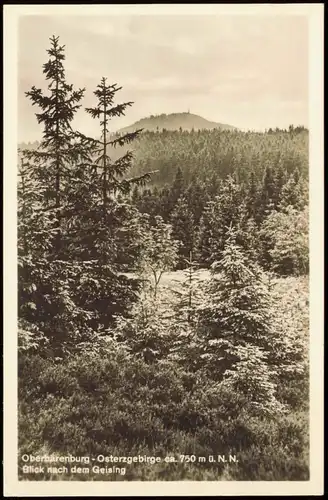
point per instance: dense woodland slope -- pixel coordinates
(213, 154)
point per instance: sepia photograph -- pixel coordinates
(161, 169)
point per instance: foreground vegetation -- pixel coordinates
(157, 325)
(103, 401)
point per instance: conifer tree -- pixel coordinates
(47, 281)
(113, 209)
(293, 193)
(36, 232)
(213, 186)
(268, 192)
(286, 234)
(144, 333)
(108, 235)
(183, 334)
(252, 377)
(165, 203)
(197, 197)
(204, 236)
(57, 151)
(49, 316)
(280, 178)
(112, 172)
(177, 188)
(252, 198)
(183, 230)
(237, 307)
(239, 345)
(227, 208)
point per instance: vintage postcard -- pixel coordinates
(163, 207)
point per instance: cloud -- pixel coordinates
(209, 63)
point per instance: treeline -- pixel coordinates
(208, 154)
(109, 362)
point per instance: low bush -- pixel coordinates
(92, 404)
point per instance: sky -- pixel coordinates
(247, 71)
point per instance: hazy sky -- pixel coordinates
(249, 71)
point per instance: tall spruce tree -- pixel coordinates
(109, 233)
(57, 151)
(111, 175)
(47, 282)
(112, 172)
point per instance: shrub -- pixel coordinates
(111, 403)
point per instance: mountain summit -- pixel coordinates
(175, 121)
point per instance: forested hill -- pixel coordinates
(210, 155)
(175, 121)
